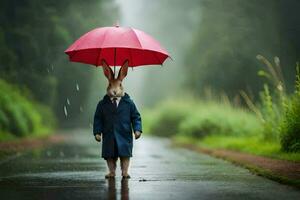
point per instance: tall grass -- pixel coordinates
(169, 115)
(278, 111)
(217, 118)
(197, 119)
(290, 124)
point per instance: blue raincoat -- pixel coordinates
(116, 125)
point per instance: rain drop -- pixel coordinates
(81, 109)
(277, 61)
(77, 87)
(52, 67)
(68, 101)
(65, 111)
(61, 154)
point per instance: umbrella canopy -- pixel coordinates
(116, 45)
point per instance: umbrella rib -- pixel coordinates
(131, 58)
(98, 59)
(137, 38)
(104, 37)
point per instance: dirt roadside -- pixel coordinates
(285, 172)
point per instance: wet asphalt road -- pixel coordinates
(74, 170)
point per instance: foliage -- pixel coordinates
(33, 37)
(276, 127)
(281, 112)
(19, 115)
(272, 99)
(148, 117)
(201, 118)
(169, 115)
(218, 118)
(290, 125)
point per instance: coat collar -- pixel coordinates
(126, 97)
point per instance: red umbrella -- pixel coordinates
(116, 45)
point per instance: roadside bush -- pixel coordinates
(48, 119)
(169, 115)
(19, 115)
(219, 118)
(277, 119)
(272, 110)
(202, 118)
(273, 98)
(13, 106)
(279, 113)
(148, 118)
(290, 126)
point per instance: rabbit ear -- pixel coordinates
(107, 70)
(123, 71)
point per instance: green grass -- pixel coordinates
(251, 145)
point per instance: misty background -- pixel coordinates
(213, 45)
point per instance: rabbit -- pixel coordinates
(115, 118)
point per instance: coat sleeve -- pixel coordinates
(136, 119)
(97, 126)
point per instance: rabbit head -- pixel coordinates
(115, 88)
